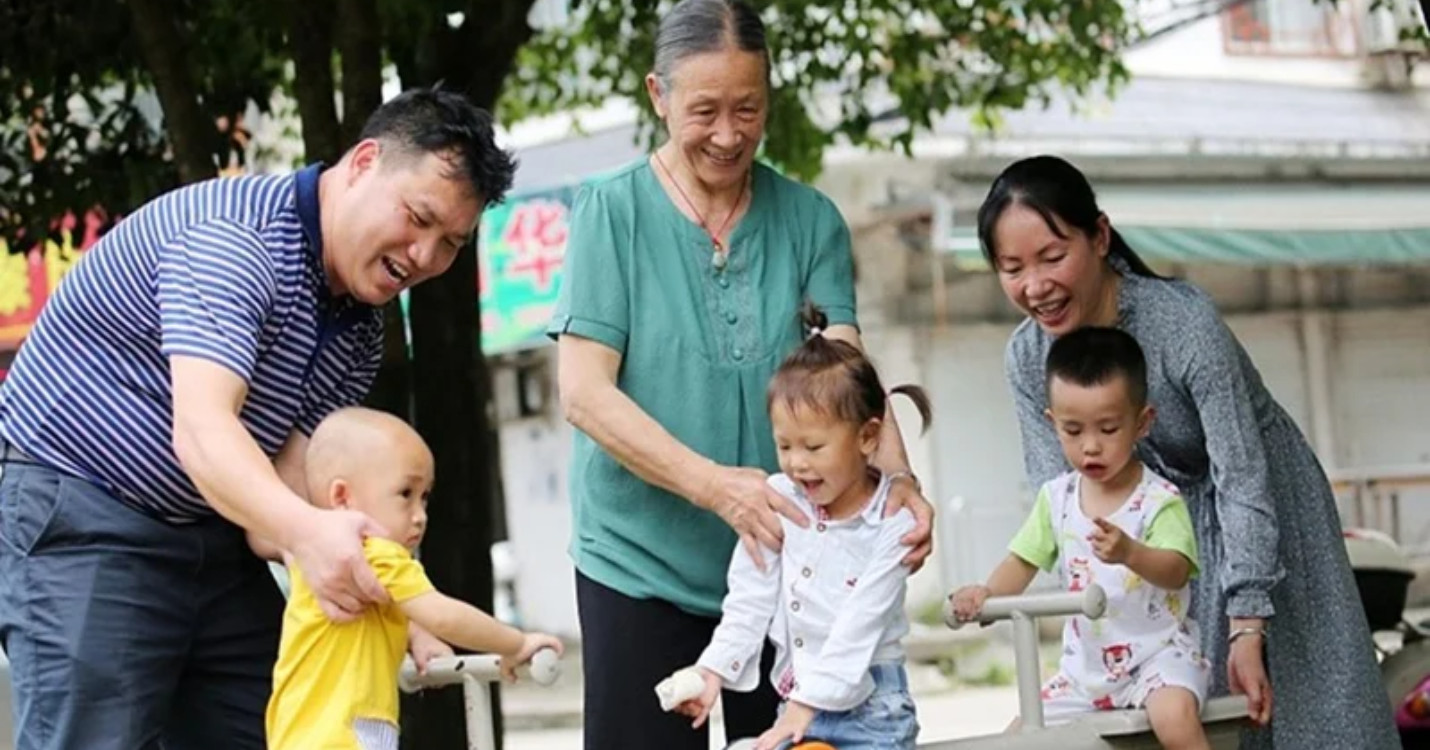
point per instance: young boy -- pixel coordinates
(335, 685)
(1112, 522)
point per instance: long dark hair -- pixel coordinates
(1054, 188)
(833, 377)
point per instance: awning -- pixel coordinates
(1257, 225)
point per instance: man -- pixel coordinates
(161, 407)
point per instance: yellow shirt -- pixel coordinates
(330, 674)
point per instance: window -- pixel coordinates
(1291, 28)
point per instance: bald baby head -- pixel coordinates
(373, 462)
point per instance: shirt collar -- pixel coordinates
(310, 219)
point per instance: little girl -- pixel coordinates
(832, 601)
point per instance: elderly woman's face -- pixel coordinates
(715, 111)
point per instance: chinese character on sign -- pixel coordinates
(536, 234)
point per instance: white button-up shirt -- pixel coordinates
(832, 602)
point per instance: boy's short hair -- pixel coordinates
(1093, 356)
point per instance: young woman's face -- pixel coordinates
(715, 110)
(1059, 281)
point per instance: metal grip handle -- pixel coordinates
(1091, 602)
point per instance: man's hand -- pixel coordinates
(1110, 543)
(791, 726)
(425, 647)
(744, 499)
(905, 494)
(1246, 670)
(328, 549)
(699, 708)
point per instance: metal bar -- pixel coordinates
(1030, 680)
(545, 667)
(1091, 602)
(480, 734)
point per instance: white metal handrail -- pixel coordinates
(1024, 611)
(476, 672)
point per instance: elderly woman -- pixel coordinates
(684, 275)
(1276, 587)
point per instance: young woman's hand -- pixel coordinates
(699, 708)
(968, 602)
(1246, 670)
(792, 725)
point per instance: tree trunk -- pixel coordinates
(451, 406)
(191, 135)
(392, 391)
(453, 400)
(359, 45)
(310, 39)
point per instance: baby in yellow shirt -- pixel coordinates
(335, 685)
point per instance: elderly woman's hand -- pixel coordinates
(905, 494)
(744, 499)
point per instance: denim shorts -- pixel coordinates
(885, 721)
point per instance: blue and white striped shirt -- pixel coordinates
(228, 270)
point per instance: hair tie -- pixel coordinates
(814, 331)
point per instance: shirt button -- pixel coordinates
(806, 572)
(723, 282)
(799, 643)
(735, 665)
(738, 354)
(794, 606)
(820, 527)
(731, 317)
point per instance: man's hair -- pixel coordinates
(446, 123)
(1094, 356)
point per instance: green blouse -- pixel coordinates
(698, 346)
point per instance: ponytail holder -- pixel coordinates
(814, 331)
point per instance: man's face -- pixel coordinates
(400, 221)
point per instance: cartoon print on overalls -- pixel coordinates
(1106, 659)
(1057, 687)
(1116, 658)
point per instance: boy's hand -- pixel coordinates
(699, 708)
(530, 644)
(968, 602)
(425, 647)
(1110, 543)
(792, 725)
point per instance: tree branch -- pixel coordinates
(191, 135)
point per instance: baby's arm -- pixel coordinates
(461, 624)
(1012, 576)
(1163, 568)
(1035, 546)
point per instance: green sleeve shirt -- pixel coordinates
(1171, 529)
(698, 347)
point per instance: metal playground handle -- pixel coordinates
(1024, 611)
(476, 672)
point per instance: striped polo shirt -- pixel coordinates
(228, 270)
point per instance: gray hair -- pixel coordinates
(694, 27)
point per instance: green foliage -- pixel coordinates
(868, 72)
(73, 80)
